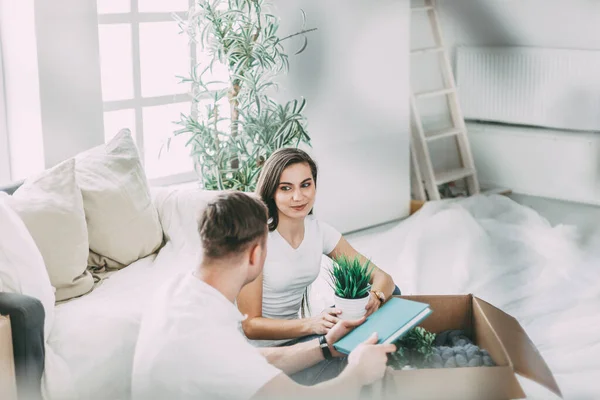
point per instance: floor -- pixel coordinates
(586, 217)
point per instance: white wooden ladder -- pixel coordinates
(424, 177)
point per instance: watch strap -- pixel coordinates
(325, 348)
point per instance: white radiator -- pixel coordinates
(552, 88)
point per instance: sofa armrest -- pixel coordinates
(27, 330)
(11, 187)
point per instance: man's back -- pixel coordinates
(190, 346)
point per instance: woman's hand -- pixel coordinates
(373, 304)
(322, 323)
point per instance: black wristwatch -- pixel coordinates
(325, 348)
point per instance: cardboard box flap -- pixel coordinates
(524, 356)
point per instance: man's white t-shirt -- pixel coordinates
(288, 271)
(191, 346)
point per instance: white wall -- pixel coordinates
(573, 24)
(354, 75)
(52, 80)
(69, 74)
(547, 163)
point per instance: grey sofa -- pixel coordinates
(27, 328)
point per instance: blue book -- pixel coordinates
(391, 321)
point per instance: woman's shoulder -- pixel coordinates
(310, 218)
(272, 235)
(312, 221)
(317, 224)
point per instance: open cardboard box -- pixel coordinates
(491, 329)
(8, 389)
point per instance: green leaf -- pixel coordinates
(350, 277)
(304, 45)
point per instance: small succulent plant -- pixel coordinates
(350, 278)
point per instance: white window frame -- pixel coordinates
(138, 102)
(5, 168)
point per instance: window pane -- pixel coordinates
(114, 121)
(164, 54)
(116, 61)
(158, 127)
(163, 5)
(113, 6)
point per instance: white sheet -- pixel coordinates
(513, 258)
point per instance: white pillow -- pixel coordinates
(122, 222)
(22, 267)
(179, 210)
(51, 207)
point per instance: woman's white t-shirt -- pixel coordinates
(288, 271)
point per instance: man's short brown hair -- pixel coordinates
(231, 223)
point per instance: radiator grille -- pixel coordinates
(552, 88)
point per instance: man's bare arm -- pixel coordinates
(291, 359)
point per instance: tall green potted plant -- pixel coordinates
(350, 281)
(235, 125)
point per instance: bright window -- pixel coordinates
(141, 54)
(158, 123)
(164, 55)
(116, 61)
(5, 175)
(114, 121)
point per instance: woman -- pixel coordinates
(296, 243)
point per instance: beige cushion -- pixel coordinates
(51, 207)
(122, 222)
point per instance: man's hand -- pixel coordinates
(340, 330)
(373, 304)
(322, 323)
(369, 360)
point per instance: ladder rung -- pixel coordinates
(454, 175)
(433, 93)
(442, 134)
(428, 8)
(427, 50)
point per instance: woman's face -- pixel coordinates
(295, 195)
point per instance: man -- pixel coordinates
(191, 345)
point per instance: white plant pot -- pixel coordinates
(351, 308)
